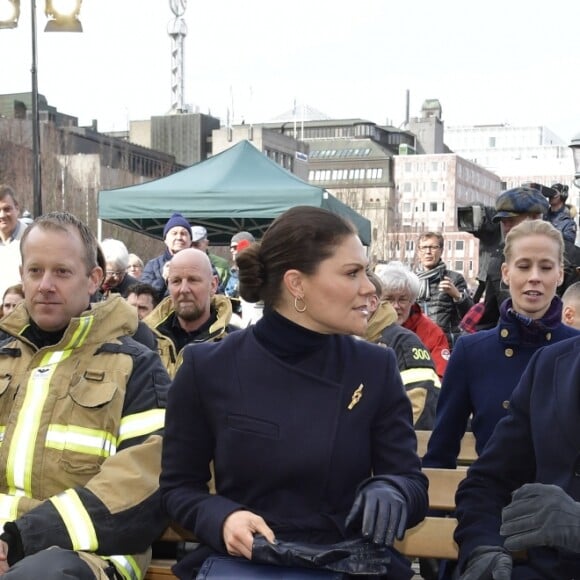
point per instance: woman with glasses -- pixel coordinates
(413, 359)
(135, 267)
(116, 280)
(401, 290)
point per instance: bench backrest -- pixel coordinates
(467, 454)
(433, 537)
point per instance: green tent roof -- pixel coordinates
(238, 189)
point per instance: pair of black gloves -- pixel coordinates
(538, 515)
(381, 512)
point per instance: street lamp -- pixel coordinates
(575, 146)
(64, 14)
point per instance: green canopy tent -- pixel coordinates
(238, 189)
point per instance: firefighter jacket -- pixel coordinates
(80, 429)
(414, 361)
(163, 317)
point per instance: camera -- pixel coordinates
(476, 219)
(543, 189)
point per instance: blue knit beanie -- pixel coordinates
(176, 220)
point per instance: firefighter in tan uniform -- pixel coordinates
(192, 313)
(80, 420)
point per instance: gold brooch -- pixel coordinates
(356, 397)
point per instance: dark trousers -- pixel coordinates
(51, 564)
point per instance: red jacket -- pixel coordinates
(431, 335)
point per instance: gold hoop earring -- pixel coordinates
(296, 299)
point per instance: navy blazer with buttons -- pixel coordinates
(481, 375)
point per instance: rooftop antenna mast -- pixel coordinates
(177, 30)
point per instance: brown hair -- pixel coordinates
(16, 289)
(533, 228)
(64, 221)
(6, 190)
(436, 235)
(299, 239)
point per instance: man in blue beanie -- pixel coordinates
(177, 237)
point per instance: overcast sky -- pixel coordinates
(498, 61)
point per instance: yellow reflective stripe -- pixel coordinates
(80, 334)
(81, 439)
(21, 452)
(419, 374)
(141, 424)
(8, 508)
(126, 566)
(77, 521)
(2, 432)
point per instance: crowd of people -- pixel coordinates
(268, 404)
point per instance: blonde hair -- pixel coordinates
(533, 228)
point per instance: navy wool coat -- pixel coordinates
(287, 444)
(539, 441)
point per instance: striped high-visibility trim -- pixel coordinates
(8, 508)
(126, 566)
(419, 374)
(77, 520)
(21, 453)
(2, 432)
(141, 424)
(81, 440)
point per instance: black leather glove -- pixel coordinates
(488, 563)
(383, 510)
(541, 515)
(349, 557)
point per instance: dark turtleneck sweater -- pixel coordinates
(296, 345)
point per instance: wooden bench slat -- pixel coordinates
(442, 486)
(432, 538)
(467, 454)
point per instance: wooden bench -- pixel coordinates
(467, 454)
(432, 538)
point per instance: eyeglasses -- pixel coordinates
(115, 273)
(429, 248)
(401, 301)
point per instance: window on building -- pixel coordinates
(407, 187)
(408, 167)
(434, 186)
(459, 245)
(458, 266)
(492, 142)
(406, 207)
(409, 245)
(434, 166)
(433, 206)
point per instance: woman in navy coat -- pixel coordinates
(299, 418)
(531, 465)
(485, 367)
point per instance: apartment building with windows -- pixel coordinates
(429, 190)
